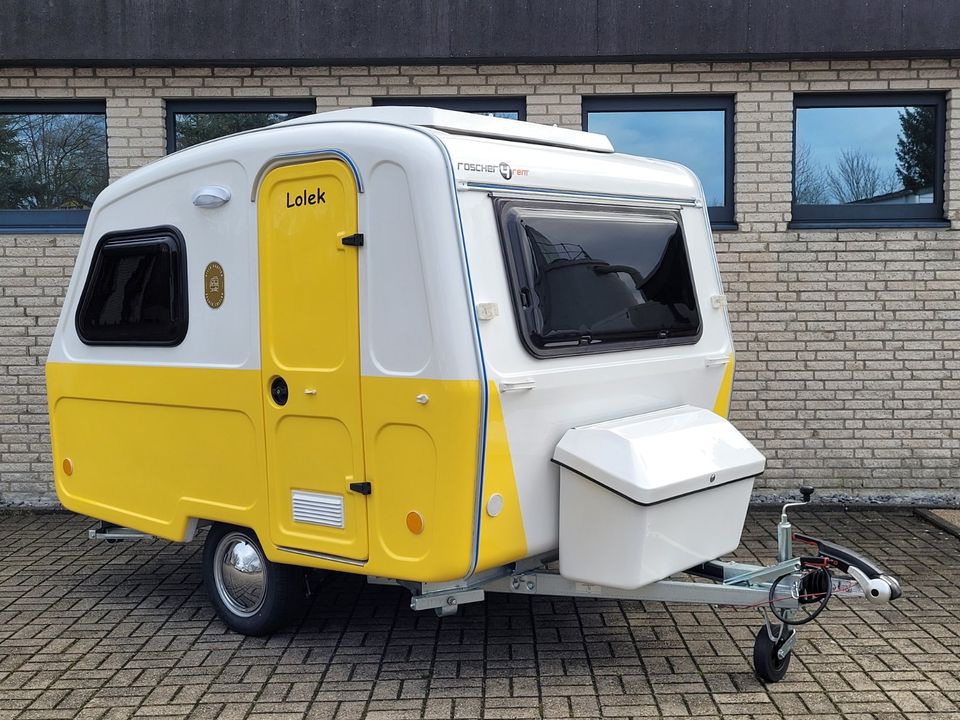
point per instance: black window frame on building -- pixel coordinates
(51, 220)
(479, 104)
(127, 241)
(721, 216)
(304, 106)
(869, 215)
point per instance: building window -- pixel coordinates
(593, 278)
(135, 293)
(195, 121)
(868, 160)
(53, 163)
(696, 131)
(511, 108)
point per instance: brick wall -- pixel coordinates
(848, 341)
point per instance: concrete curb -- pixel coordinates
(934, 519)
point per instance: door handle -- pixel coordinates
(279, 391)
(517, 385)
(309, 391)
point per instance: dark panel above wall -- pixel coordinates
(523, 29)
(308, 32)
(675, 28)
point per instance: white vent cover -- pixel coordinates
(318, 508)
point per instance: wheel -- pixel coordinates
(252, 595)
(768, 666)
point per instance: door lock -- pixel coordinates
(279, 391)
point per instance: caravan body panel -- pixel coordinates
(455, 421)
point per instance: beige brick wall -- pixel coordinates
(848, 342)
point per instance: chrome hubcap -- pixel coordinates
(240, 574)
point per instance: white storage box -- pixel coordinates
(644, 497)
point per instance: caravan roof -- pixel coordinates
(459, 123)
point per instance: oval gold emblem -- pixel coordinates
(213, 285)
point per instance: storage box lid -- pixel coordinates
(660, 455)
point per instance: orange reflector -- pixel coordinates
(414, 522)
(67, 466)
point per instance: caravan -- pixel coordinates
(435, 349)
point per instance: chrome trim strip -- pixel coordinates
(322, 556)
(498, 190)
(299, 156)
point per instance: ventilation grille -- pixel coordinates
(318, 509)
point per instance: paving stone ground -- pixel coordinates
(98, 631)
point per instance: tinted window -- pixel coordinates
(867, 158)
(693, 138)
(136, 291)
(593, 279)
(694, 131)
(193, 122)
(865, 155)
(53, 162)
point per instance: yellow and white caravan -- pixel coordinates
(432, 348)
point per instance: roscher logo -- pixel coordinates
(505, 170)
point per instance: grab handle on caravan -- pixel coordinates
(517, 385)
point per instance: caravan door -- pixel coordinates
(310, 359)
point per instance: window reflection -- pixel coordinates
(587, 279)
(52, 161)
(196, 127)
(694, 138)
(865, 155)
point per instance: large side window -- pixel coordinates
(53, 163)
(597, 279)
(136, 291)
(864, 160)
(510, 108)
(693, 130)
(190, 122)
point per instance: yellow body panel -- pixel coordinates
(422, 458)
(310, 337)
(152, 447)
(502, 538)
(721, 405)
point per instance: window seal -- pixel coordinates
(508, 252)
(868, 215)
(181, 296)
(721, 216)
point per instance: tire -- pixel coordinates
(252, 595)
(768, 667)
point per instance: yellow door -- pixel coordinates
(310, 357)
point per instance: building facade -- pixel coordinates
(846, 315)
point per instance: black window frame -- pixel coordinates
(307, 106)
(867, 215)
(510, 253)
(721, 216)
(473, 104)
(49, 221)
(181, 298)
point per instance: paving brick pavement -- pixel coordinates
(106, 632)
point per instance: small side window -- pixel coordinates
(136, 292)
(597, 279)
